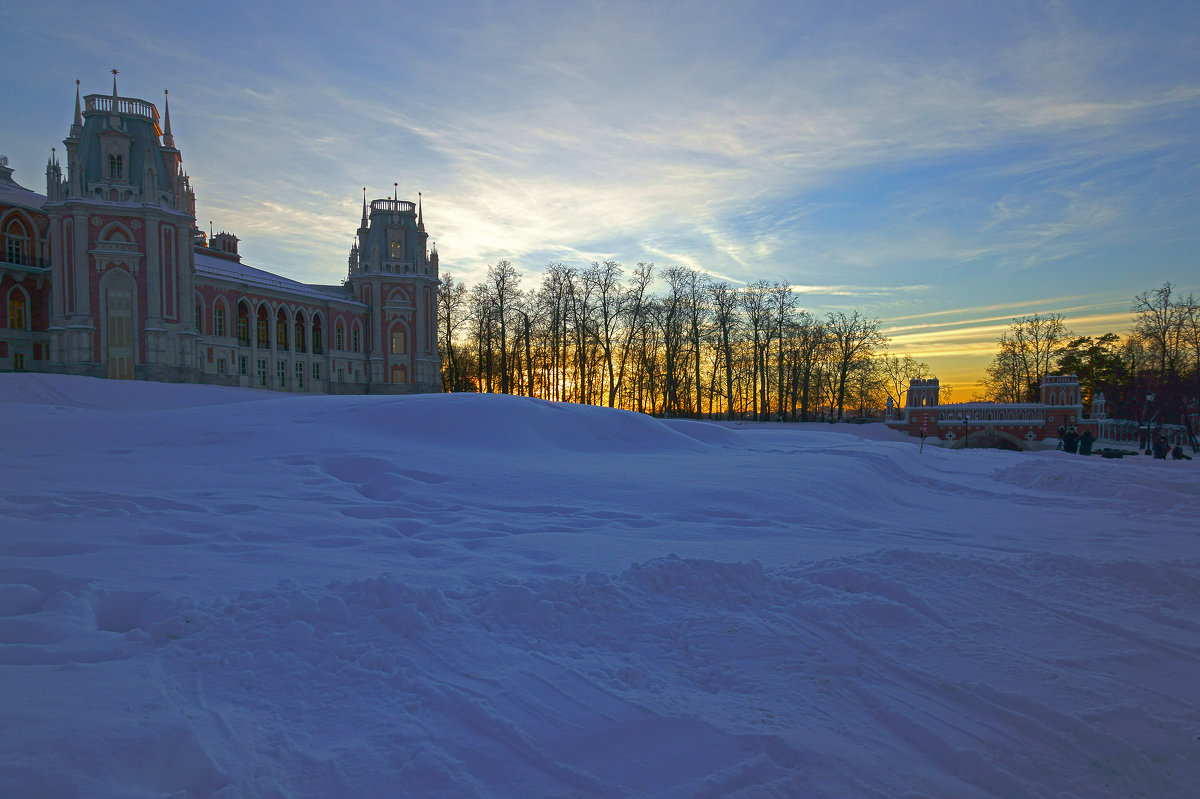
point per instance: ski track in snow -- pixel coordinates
(230, 594)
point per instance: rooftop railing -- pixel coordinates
(394, 206)
(122, 106)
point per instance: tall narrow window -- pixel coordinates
(318, 343)
(243, 325)
(399, 346)
(355, 340)
(339, 337)
(300, 346)
(281, 331)
(264, 328)
(116, 167)
(219, 321)
(16, 244)
(17, 309)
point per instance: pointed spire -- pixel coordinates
(168, 139)
(114, 116)
(364, 219)
(78, 123)
(420, 215)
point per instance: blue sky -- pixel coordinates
(942, 166)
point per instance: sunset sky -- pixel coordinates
(942, 166)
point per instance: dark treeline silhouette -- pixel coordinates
(672, 341)
(1152, 374)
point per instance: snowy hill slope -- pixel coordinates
(217, 592)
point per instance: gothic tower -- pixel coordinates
(394, 271)
(121, 229)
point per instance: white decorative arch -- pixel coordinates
(116, 233)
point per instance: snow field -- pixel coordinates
(227, 593)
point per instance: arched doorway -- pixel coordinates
(118, 312)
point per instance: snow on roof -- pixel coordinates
(13, 193)
(215, 268)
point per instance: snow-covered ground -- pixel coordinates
(221, 592)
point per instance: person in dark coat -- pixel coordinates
(1178, 455)
(1071, 440)
(1160, 448)
(1085, 442)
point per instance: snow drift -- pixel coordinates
(223, 593)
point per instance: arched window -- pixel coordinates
(264, 328)
(339, 336)
(116, 167)
(300, 326)
(243, 325)
(399, 344)
(18, 309)
(318, 340)
(16, 243)
(356, 338)
(281, 331)
(200, 315)
(219, 318)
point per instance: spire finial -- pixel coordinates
(78, 116)
(395, 192)
(114, 72)
(364, 219)
(420, 215)
(168, 139)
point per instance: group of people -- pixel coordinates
(1069, 440)
(1161, 448)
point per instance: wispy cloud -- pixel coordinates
(913, 159)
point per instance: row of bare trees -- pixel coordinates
(672, 341)
(1159, 357)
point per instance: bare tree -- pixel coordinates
(757, 311)
(895, 373)
(1028, 351)
(503, 285)
(1159, 322)
(854, 339)
(724, 301)
(635, 312)
(452, 304)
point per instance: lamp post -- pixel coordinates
(1146, 423)
(966, 434)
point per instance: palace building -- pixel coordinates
(108, 275)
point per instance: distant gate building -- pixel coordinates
(107, 275)
(1020, 425)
